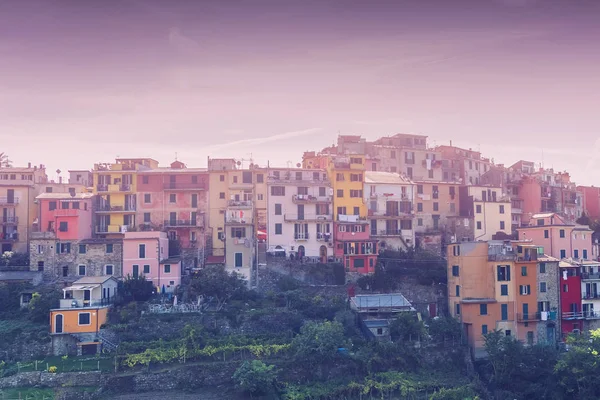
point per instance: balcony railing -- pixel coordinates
(387, 232)
(306, 217)
(292, 178)
(109, 208)
(502, 257)
(5, 201)
(79, 303)
(102, 188)
(573, 315)
(529, 317)
(324, 237)
(9, 237)
(9, 220)
(588, 276)
(589, 296)
(184, 186)
(301, 236)
(306, 198)
(114, 228)
(68, 212)
(181, 222)
(240, 203)
(124, 187)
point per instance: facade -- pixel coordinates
(74, 326)
(240, 239)
(559, 239)
(548, 298)
(147, 253)
(494, 285)
(300, 209)
(390, 199)
(489, 208)
(115, 187)
(570, 298)
(175, 200)
(591, 201)
(81, 177)
(471, 165)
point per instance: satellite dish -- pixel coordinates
(58, 171)
(239, 163)
(298, 165)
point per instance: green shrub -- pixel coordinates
(255, 377)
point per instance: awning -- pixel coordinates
(81, 287)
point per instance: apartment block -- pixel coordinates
(240, 240)
(591, 201)
(470, 164)
(490, 210)
(390, 200)
(175, 200)
(300, 209)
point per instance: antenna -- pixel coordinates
(175, 156)
(542, 158)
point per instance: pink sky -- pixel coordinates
(88, 81)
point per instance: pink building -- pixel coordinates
(559, 239)
(147, 253)
(591, 201)
(68, 217)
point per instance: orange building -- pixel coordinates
(75, 325)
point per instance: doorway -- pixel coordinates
(301, 252)
(58, 323)
(323, 254)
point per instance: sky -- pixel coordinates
(87, 81)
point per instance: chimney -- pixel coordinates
(451, 143)
(60, 179)
(28, 165)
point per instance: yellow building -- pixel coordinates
(229, 183)
(347, 176)
(116, 187)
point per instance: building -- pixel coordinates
(559, 238)
(240, 239)
(471, 165)
(115, 187)
(548, 298)
(175, 200)
(493, 285)
(75, 325)
(591, 201)
(375, 311)
(229, 181)
(147, 254)
(489, 208)
(82, 177)
(300, 208)
(390, 199)
(18, 189)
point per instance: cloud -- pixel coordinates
(262, 140)
(182, 43)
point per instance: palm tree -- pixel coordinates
(4, 161)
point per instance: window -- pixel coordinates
(82, 249)
(393, 154)
(355, 160)
(235, 179)
(146, 269)
(278, 229)
(523, 271)
(81, 270)
(419, 207)
(277, 209)
(356, 193)
(419, 221)
(355, 177)
(561, 233)
(277, 190)
(247, 177)
(455, 270)
(546, 234)
(502, 225)
(303, 190)
(483, 309)
(222, 178)
(478, 224)
(436, 206)
(434, 192)
(524, 290)
(484, 329)
(478, 208)
(221, 195)
(84, 318)
(238, 260)
(457, 291)
(419, 189)
(260, 178)
(503, 273)
(575, 253)
(322, 192)
(504, 312)
(63, 248)
(64, 205)
(167, 268)
(356, 210)
(457, 309)
(135, 270)
(543, 287)
(340, 193)
(145, 179)
(108, 269)
(501, 208)
(503, 290)
(542, 268)
(563, 254)
(430, 174)
(194, 200)
(147, 198)
(75, 205)
(51, 205)
(359, 263)
(173, 198)
(565, 288)
(456, 250)
(63, 226)
(142, 251)
(147, 218)
(109, 248)
(584, 254)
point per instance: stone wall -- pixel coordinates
(45, 379)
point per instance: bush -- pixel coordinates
(52, 369)
(41, 304)
(255, 377)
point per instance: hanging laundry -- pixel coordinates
(544, 315)
(428, 161)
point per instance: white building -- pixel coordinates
(299, 205)
(390, 199)
(240, 242)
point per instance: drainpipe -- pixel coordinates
(158, 252)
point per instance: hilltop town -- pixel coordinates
(400, 255)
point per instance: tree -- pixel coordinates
(318, 341)
(137, 288)
(578, 367)
(407, 327)
(584, 219)
(216, 283)
(5, 161)
(255, 377)
(41, 304)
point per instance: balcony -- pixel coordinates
(502, 257)
(591, 314)
(301, 236)
(79, 303)
(588, 277)
(573, 315)
(306, 198)
(101, 188)
(107, 208)
(590, 296)
(391, 215)
(124, 187)
(354, 219)
(68, 212)
(174, 186)
(5, 201)
(9, 237)
(174, 223)
(9, 220)
(43, 235)
(306, 217)
(529, 317)
(272, 179)
(104, 229)
(241, 185)
(324, 237)
(388, 232)
(240, 203)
